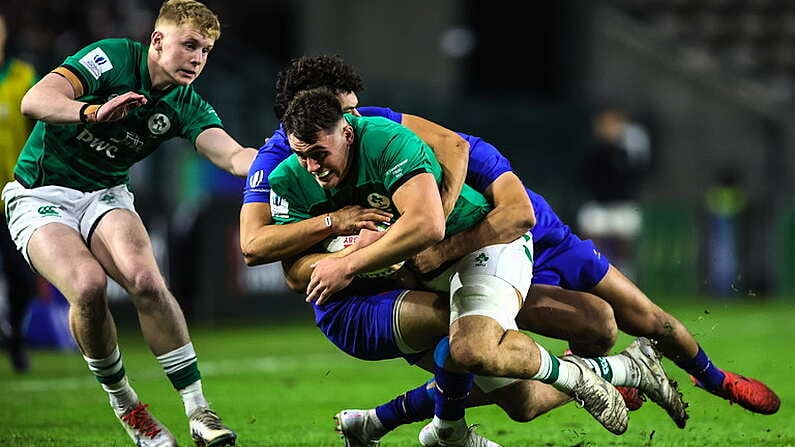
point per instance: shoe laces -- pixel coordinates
(210, 419)
(140, 419)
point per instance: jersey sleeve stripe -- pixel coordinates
(73, 77)
(408, 176)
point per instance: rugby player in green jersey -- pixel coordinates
(375, 162)
(71, 212)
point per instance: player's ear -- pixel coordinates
(157, 40)
(347, 131)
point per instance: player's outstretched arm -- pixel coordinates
(225, 152)
(52, 100)
(511, 217)
(452, 152)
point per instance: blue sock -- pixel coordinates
(412, 406)
(703, 370)
(454, 388)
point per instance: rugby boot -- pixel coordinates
(357, 429)
(633, 398)
(430, 437)
(654, 383)
(207, 429)
(144, 429)
(748, 393)
(598, 397)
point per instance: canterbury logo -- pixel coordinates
(49, 210)
(108, 198)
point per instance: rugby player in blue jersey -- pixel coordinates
(413, 302)
(549, 308)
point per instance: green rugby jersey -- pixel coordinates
(88, 157)
(385, 155)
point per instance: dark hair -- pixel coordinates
(305, 72)
(310, 112)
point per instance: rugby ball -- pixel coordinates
(334, 244)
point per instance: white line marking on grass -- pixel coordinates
(207, 368)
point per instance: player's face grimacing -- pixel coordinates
(182, 52)
(327, 159)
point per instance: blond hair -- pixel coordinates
(193, 13)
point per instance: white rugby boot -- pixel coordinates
(599, 397)
(144, 429)
(207, 429)
(654, 382)
(357, 428)
(429, 437)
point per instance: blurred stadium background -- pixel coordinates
(709, 86)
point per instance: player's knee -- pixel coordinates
(146, 286)
(87, 292)
(88, 284)
(517, 400)
(521, 411)
(602, 332)
(470, 354)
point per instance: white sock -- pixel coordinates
(452, 430)
(193, 397)
(122, 397)
(175, 363)
(619, 370)
(562, 375)
(375, 428)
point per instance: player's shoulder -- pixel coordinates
(114, 55)
(276, 145)
(116, 46)
(370, 120)
(288, 169)
(375, 127)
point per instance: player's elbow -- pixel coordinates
(250, 259)
(461, 145)
(252, 256)
(434, 232)
(525, 216)
(28, 106)
(295, 284)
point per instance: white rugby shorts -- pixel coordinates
(511, 262)
(28, 209)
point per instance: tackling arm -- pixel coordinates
(451, 151)
(511, 217)
(263, 242)
(421, 224)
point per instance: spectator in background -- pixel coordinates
(16, 77)
(725, 203)
(612, 173)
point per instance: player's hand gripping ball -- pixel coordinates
(336, 243)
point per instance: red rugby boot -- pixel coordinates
(633, 399)
(749, 393)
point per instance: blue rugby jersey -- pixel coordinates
(486, 163)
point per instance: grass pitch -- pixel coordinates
(280, 385)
